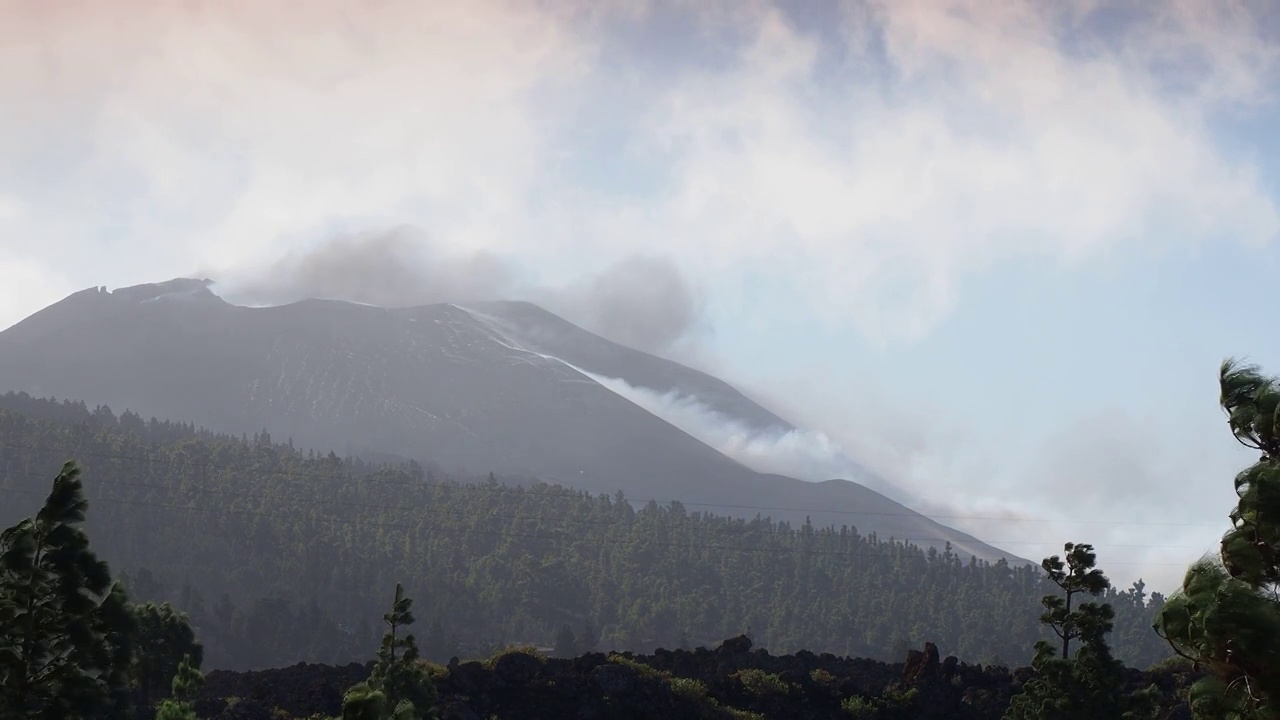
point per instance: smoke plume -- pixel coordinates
(397, 268)
(642, 301)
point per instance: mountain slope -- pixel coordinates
(531, 327)
(437, 383)
(536, 329)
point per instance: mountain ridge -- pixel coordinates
(446, 383)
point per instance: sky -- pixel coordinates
(995, 251)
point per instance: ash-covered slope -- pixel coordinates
(460, 388)
(534, 328)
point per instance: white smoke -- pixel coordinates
(794, 452)
(641, 301)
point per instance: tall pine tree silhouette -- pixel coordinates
(399, 687)
(65, 626)
(1226, 616)
(1089, 684)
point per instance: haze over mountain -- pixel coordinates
(505, 387)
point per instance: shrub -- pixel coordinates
(1174, 664)
(529, 650)
(761, 683)
(435, 670)
(641, 669)
(822, 677)
(689, 689)
(858, 708)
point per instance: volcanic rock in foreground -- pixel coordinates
(727, 682)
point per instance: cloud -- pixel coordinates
(1150, 491)
(1128, 485)
(886, 199)
(1149, 494)
(10, 208)
(887, 156)
(644, 302)
(25, 280)
(214, 137)
(873, 163)
(398, 268)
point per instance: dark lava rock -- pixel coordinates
(736, 646)
(614, 679)
(921, 667)
(458, 710)
(591, 687)
(517, 668)
(245, 710)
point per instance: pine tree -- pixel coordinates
(65, 626)
(186, 683)
(1226, 616)
(1090, 684)
(566, 645)
(588, 639)
(1076, 575)
(399, 687)
(164, 641)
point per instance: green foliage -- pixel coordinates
(759, 682)
(1175, 664)
(1226, 616)
(893, 702)
(172, 710)
(689, 689)
(858, 708)
(274, 555)
(639, 668)
(529, 650)
(822, 677)
(363, 701)
(695, 693)
(1076, 575)
(400, 686)
(187, 680)
(435, 671)
(1090, 684)
(65, 626)
(902, 696)
(163, 641)
(186, 683)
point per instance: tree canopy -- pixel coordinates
(399, 687)
(290, 542)
(275, 554)
(65, 626)
(1089, 684)
(1226, 616)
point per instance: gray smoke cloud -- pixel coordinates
(644, 302)
(396, 268)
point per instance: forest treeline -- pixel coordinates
(279, 556)
(75, 646)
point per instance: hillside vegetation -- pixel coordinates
(491, 389)
(280, 556)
